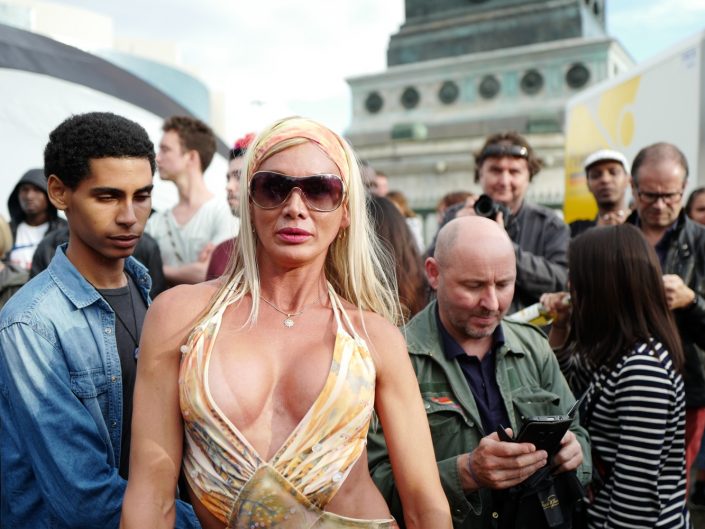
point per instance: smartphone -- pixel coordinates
(546, 431)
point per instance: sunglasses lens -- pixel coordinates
(320, 192)
(269, 190)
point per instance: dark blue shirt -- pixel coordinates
(661, 247)
(480, 376)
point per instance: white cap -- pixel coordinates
(606, 155)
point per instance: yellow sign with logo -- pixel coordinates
(662, 100)
(611, 127)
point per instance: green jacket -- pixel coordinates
(530, 382)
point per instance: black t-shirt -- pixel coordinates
(130, 309)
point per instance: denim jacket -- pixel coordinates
(61, 404)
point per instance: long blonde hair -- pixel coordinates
(355, 262)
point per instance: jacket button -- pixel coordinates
(113, 378)
(108, 330)
(114, 424)
(495, 515)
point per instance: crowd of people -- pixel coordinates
(298, 357)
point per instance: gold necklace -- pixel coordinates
(288, 322)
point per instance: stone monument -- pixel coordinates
(459, 70)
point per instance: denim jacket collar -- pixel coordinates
(79, 291)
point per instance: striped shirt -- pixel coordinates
(636, 421)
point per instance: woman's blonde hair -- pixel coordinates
(5, 238)
(356, 261)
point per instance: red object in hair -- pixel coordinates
(244, 142)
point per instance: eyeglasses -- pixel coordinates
(504, 149)
(321, 192)
(652, 198)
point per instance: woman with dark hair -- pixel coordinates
(695, 206)
(415, 223)
(621, 337)
(395, 236)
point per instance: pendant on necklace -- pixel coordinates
(288, 322)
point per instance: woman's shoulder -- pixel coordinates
(367, 322)
(649, 356)
(379, 333)
(183, 303)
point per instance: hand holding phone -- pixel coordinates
(544, 432)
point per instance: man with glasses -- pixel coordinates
(504, 168)
(659, 176)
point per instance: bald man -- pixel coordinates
(476, 372)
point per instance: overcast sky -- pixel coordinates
(276, 57)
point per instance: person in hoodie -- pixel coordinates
(32, 216)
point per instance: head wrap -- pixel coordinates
(327, 140)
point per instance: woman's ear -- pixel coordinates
(57, 192)
(345, 221)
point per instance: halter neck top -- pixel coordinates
(315, 458)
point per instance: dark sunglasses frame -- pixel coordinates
(301, 183)
(494, 150)
(651, 198)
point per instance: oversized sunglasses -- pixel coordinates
(321, 192)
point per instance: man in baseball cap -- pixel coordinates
(607, 179)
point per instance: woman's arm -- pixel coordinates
(400, 409)
(157, 431)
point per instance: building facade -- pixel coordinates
(459, 70)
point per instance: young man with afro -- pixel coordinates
(69, 338)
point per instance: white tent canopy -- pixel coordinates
(43, 81)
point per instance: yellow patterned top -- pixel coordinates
(317, 456)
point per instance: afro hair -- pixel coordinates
(85, 137)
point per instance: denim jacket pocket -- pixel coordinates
(91, 388)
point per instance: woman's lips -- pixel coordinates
(293, 235)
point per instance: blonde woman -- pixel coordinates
(264, 382)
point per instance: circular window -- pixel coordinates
(532, 82)
(448, 92)
(577, 76)
(374, 102)
(410, 97)
(489, 87)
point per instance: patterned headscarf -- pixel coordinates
(327, 140)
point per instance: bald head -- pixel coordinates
(473, 273)
(471, 235)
